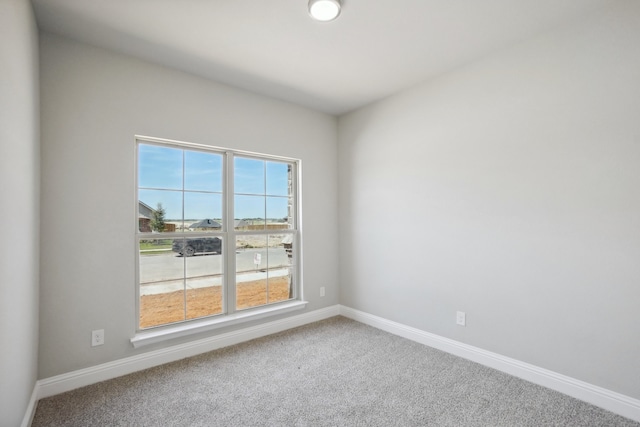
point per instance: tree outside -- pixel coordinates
(157, 220)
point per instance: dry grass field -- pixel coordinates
(168, 307)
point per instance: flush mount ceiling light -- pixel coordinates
(324, 10)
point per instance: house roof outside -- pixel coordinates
(144, 210)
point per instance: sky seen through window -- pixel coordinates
(167, 175)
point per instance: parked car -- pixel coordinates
(190, 247)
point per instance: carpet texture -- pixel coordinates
(336, 372)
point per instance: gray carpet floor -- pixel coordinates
(336, 372)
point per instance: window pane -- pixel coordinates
(248, 176)
(250, 210)
(278, 213)
(204, 277)
(281, 267)
(202, 171)
(159, 167)
(159, 206)
(203, 211)
(281, 250)
(162, 296)
(263, 271)
(251, 273)
(278, 179)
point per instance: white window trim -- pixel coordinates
(183, 329)
(229, 317)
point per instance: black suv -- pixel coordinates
(190, 247)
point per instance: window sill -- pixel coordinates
(153, 336)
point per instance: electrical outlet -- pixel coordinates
(461, 318)
(97, 337)
(321, 291)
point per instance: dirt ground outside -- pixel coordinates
(161, 309)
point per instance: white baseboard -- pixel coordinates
(83, 377)
(598, 396)
(31, 408)
(606, 399)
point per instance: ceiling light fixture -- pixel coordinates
(324, 10)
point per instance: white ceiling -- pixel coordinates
(374, 49)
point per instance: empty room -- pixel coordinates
(320, 212)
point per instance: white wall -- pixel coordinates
(508, 189)
(93, 103)
(19, 208)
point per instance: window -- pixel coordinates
(217, 232)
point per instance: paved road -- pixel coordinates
(169, 266)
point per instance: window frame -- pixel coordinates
(230, 314)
